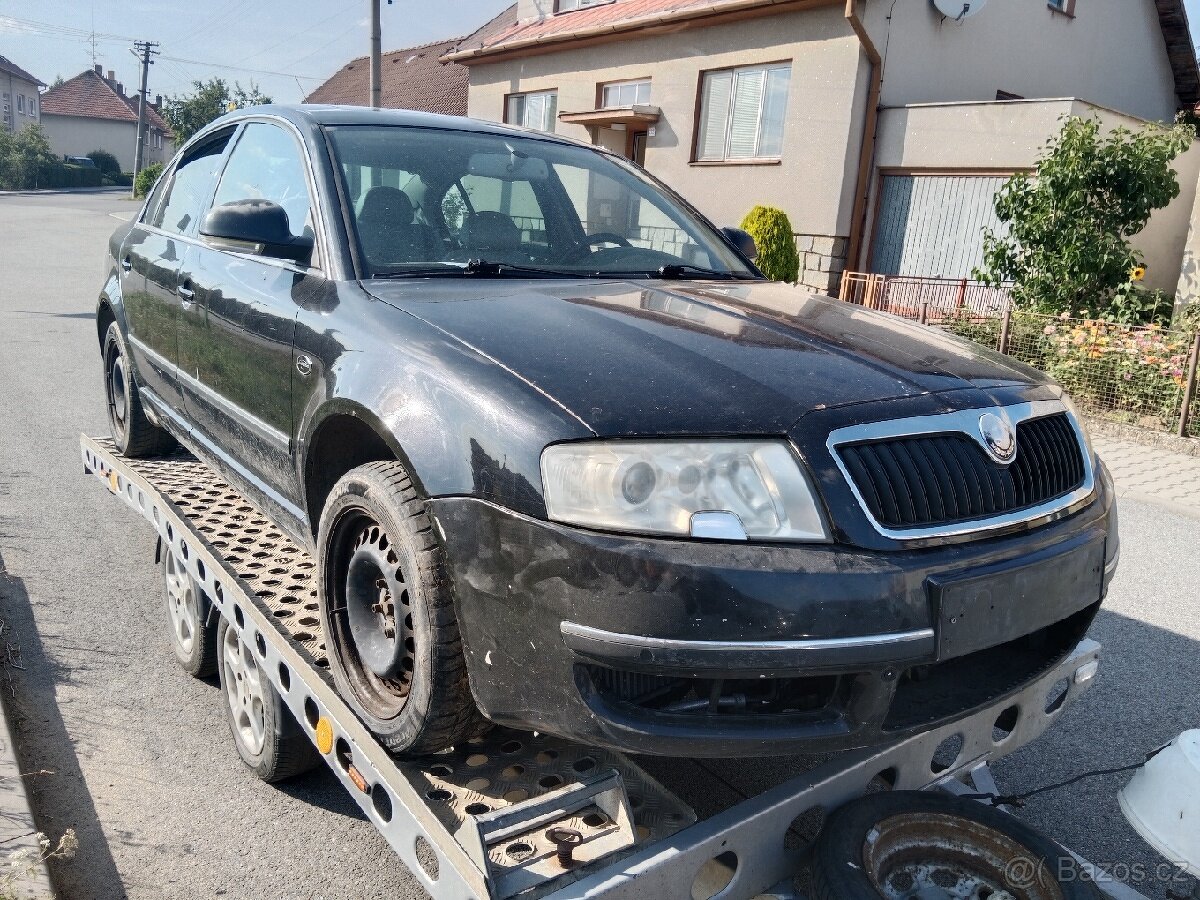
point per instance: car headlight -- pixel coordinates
(710, 488)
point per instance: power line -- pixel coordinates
(213, 65)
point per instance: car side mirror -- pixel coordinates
(742, 242)
(256, 226)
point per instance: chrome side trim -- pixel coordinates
(897, 639)
(966, 422)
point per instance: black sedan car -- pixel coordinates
(568, 462)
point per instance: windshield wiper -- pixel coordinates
(686, 270)
(488, 269)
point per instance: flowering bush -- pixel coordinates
(1109, 367)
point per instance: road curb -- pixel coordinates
(17, 829)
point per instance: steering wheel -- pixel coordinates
(590, 240)
(606, 237)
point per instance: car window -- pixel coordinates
(266, 164)
(190, 185)
(425, 199)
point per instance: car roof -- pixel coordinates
(329, 114)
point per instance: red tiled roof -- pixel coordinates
(413, 78)
(11, 68)
(92, 96)
(563, 26)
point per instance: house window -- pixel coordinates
(32, 106)
(568, 5)
(1062, 6)
(625, 93)
(742, 112)
(20, 103)
(533, 110)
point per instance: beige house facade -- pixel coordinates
(20, 100)
(812, 105)
(93, 112)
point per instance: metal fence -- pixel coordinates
(1140, 375)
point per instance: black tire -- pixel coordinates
(382, 569)
(284, 750)
(872, 838)
(192, 624)
(134, 434)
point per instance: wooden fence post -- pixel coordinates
(924, 312)
(962, 294)
(1189, 387)
(1005, 327)
(842, 287)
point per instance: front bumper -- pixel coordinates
(724, 649)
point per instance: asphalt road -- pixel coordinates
(119, 744)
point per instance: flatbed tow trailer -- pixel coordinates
(472, 822)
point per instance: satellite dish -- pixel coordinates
(959, 9)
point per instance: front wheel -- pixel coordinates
(134, 434)
(387, 613)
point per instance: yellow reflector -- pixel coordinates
(324, 735)
(112, 483)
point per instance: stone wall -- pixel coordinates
(822, 259)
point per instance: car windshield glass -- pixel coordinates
(426, 201)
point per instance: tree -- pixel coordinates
(188, 113)
(58, 82)
(1067, 246)
(26, 160)
(105, 162)
(772, 233)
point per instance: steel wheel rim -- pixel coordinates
(362, 545)
(182, 607)
(117, 388)
(244, 692)
(936, 856)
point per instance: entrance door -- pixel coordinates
(636, 150)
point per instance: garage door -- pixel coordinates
(932, 225)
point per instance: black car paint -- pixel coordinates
(467, 380)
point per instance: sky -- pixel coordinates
(286, 47)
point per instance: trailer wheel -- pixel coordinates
(264, 731)
(387, 612)
(193, 637)
(921, 844)
(135, 435)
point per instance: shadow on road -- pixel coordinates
(54, 780)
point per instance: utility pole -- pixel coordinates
(143, 49)
(376, 41)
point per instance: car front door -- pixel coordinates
(150, 263)
(235, 338)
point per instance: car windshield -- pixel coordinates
(431, 201)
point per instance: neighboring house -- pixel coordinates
(412, 78)
(882, 129)
(19, 92)
(91, 112)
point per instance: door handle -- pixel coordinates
(126, 264)
(185, 294)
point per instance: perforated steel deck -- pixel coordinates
(498, 770)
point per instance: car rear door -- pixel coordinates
(152, 257)
(235, 340)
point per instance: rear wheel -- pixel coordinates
(134, 434)
(388, 614)
(266, 735)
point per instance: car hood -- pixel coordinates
(680, 357)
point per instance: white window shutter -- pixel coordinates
(747, 103)
(714, 115)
